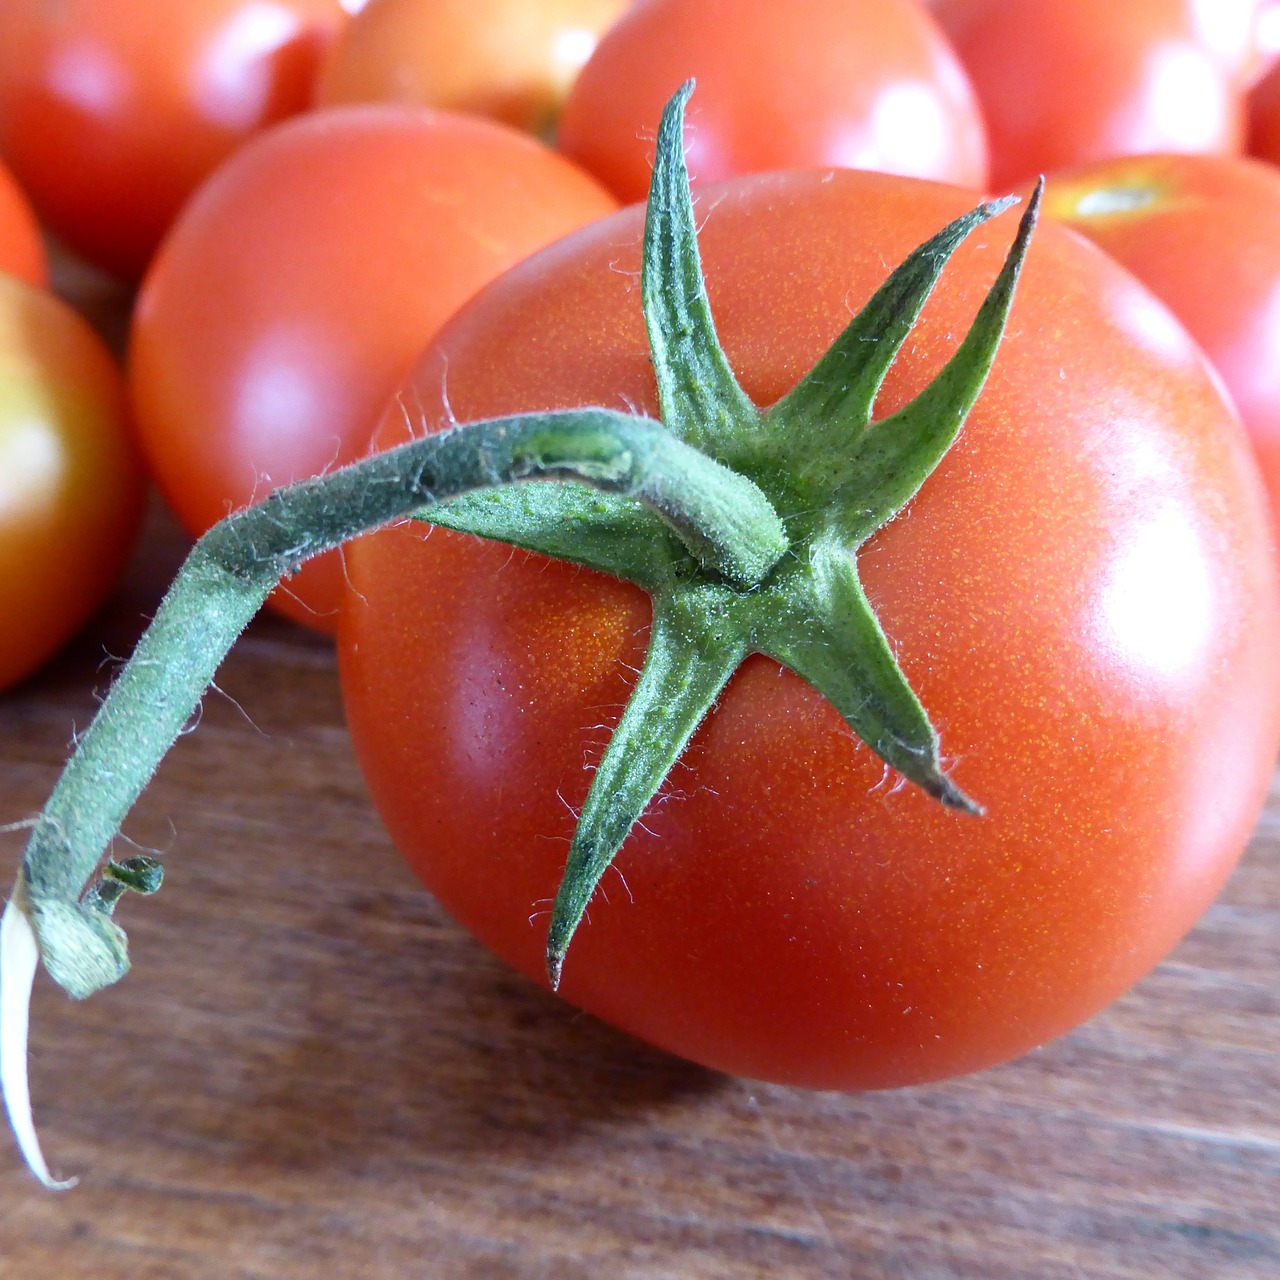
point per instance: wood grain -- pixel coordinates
(313, 1072)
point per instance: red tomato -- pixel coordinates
(1203, 233)
(299, 284)
(1083, 594)
(113, 111)
(1063, 82)
(868, 84)
(507, 59)
(1264, 117)
(21, 251)
(71, 481)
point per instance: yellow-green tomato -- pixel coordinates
(71, 481)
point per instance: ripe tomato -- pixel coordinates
(301, 281)
(1203, 233)
(506, 59)
(1264, 117)
(1083, 594)
(870, 84)
(71, 480)
(1063, 82)
(113, 111)
(21, 252)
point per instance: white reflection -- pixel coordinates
(1267, 34)
(234, 56)
(1188, 99)
(572, 47)
(85, 76)
(908, 129)
(911, 129)
(1158, 602)
(277, 401)
(31, 465)
(1105, 201)
(1226, 27)
(1153, 325)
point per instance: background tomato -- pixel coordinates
(113, 111)
(1063, 82)
(1083, 594)
(1264, 117)
(71, 480)
(511, 60)
(21, 251)
(869, 84)
(1203, 233)
(300, 283)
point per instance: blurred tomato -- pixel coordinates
(1203, 233)
(301, 281)
(513, 60)
(1063, 82)
(71, 480)
(863, 84)
(113, 111)
(21, 252)
(1264, 117)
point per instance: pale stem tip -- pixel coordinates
(19, 958)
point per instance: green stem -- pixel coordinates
(685, 668)
(723, 519)
(699, 395)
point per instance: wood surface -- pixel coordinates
(312, 1072)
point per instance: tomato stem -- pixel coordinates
(723, 520)
(233, 568)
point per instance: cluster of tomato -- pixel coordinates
(1084, 595)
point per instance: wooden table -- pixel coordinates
(313, 1073)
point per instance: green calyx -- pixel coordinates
(832, 476)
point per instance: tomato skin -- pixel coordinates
(1203, 233)
(300, 283)
(148, 96)
(506, 59)
(1083, 594)
(1264, 117)
(865, 83)
(71, 478)
(1065, 82)
(21, 251)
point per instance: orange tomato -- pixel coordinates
(511, 60)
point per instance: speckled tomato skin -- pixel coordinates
(1083, 594)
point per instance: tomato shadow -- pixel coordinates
(431, 1048)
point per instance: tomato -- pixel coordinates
(866, 83)
(1064, 82)
(1264, 117)
(1203, 233)
(113, 111)
(71, 480)
(1083, 594)
(302, 280)
(507, 59)
(21, 252)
